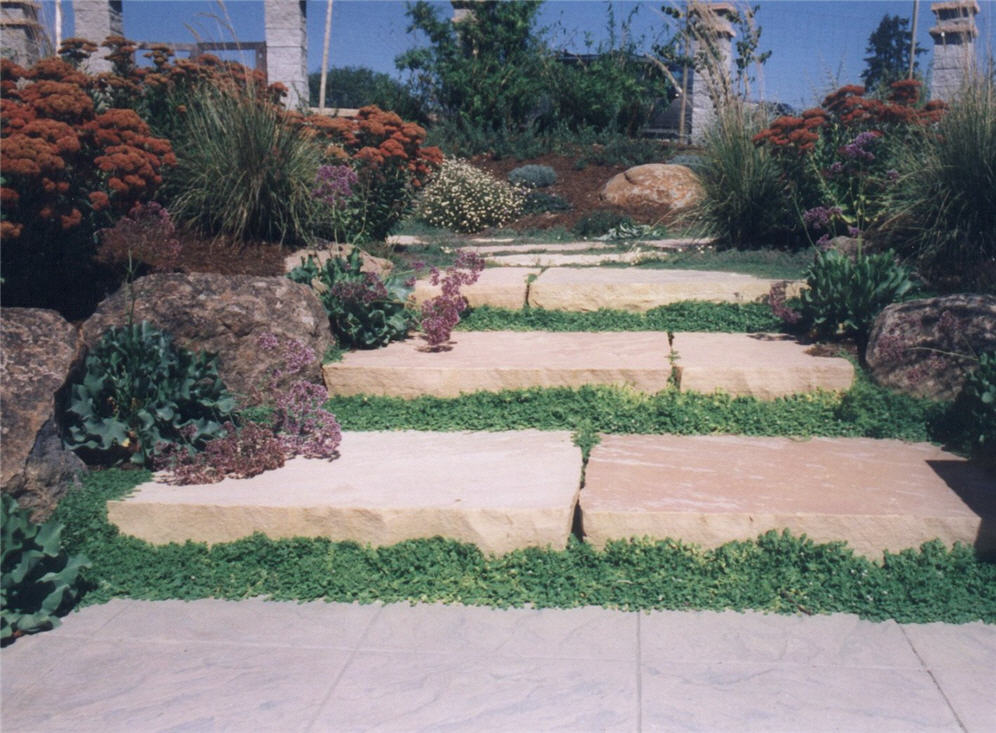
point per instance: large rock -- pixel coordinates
(927, 347)
(37, 351)
(225, 315)
(379, 266)
(671, 187)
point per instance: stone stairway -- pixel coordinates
(509, 490)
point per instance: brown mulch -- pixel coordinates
(580, 187)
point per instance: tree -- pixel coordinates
(889, 49)
(358, 86)
(484, 72)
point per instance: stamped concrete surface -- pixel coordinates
(500, 491)
(636, 289)
(498, 287)
(497, 360)
(875, 494)
(261, 666)
(756, 364)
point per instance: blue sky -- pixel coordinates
(814, 44)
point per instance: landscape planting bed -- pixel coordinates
(500, 491)
(874, 494)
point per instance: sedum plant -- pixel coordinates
(465, 199)
(38, 577)
(364, 311)
(843, 296)
(140, 392)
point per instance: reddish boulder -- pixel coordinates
(224, 315)
(38, 349)
(927, 347)
(674, 188)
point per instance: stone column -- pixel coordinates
(954, 46)
(22, 37)
(287, 48)
(95, 20)
(711, 85)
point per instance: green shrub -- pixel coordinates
(38, 577)
(974, 410)
(364, 311)
(944, 203)
(746, 204)
(533, 176)
(842, 296)
(139, 393)
(244, 172)
(599, 223)
(537, 202)
(463, 198)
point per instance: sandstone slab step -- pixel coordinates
(638, 289)
(499, 287)
(761, 365)
(497, 360)
(514, 247)
(559, 259)
(501, 491)
(875, 494)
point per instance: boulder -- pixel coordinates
(674, 188)
(927, 347)
(379, 266)
(224, 315)
(38, 349)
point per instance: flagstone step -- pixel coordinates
(874, 494)
(560, 259)
(760, 365)
(498, 287)
(500, 491)
(640, 289)
(496, 360)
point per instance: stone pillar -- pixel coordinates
(711, 85)
(287, 48)
(954, 46)
(95, 20)
(22, 37)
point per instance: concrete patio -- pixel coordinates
(259, 666)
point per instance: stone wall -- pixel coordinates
(22, 37)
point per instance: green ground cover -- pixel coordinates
(777, 573)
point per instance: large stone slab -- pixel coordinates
(634, 289)
(874, 494)
(559, 259)
(499, 287)
(514, 247)
(759, 365)
(500, 491)
(497, 360)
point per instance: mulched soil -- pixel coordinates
(580, 187)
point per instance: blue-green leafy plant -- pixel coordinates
(364, 311)
(843, 295)
(140, 392)
(38, 577)
(533, 176)
(975, 409)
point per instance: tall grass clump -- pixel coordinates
(243, 171)
(745, 202)
(944, 206)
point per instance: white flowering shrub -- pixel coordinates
(463, 198)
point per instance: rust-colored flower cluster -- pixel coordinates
(379, 141)
(849, 108)
(61, 159)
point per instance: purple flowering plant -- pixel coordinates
(333, 190)
(440, 315)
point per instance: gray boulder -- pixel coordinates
(927, 347)
(38, 349)
(225, 315)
